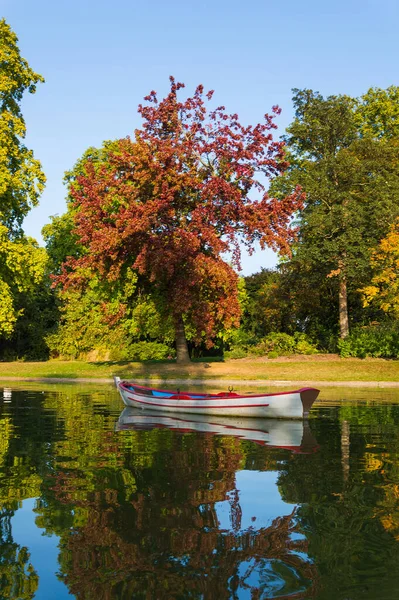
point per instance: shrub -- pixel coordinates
(304, 345)
(148, 351)
(282, 344)
(274, 345)
(378, 341)
(239, 338)
(139, 351)
(114, 347)
(236, 353)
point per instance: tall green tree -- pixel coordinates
(21, 176)
(22, 262)
(351, 182)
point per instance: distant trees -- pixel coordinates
(140, 254)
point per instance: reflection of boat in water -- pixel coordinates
(292, 435)
(292, 405)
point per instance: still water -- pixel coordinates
(99, 503)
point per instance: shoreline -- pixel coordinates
(210, 381)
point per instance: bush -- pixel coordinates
(282, 344)
(148, 351)
(139, 351)
(378, 341)
(274, 345)
(236, 353)
(113, 347)
(304, 345)
(239, 338)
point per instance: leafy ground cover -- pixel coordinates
(296, 368)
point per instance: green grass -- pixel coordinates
(314, 368)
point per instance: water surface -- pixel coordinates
(98, 504)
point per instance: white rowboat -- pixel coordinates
(290, 405)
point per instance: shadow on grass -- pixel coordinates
(160, 370)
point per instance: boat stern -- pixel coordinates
(308, 396)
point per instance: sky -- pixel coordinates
(101, 57)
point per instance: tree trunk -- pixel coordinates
(182, 355)
(343, 309)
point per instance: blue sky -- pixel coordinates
(99, 59)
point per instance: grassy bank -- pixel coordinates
(299, 368)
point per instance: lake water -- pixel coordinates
(100, 503)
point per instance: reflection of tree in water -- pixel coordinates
(27, 441)
(347, 496)
(137, 512)
(163, 539)
(18, 579)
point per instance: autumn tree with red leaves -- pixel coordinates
(172, 202)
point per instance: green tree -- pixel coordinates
(21, 176)
(377, 113)
(22, 268)
(60, 241)
(22, 262)
(269, 307)
(351, 183)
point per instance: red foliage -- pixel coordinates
(170, 203)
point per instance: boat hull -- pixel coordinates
(289, 405)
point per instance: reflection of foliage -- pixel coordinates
(350, 516)
(136, 511)
(18, 579)
(6, 430)
(144, 522)
(20, 482)
(180, 563)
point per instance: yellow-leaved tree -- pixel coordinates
(384, 288)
